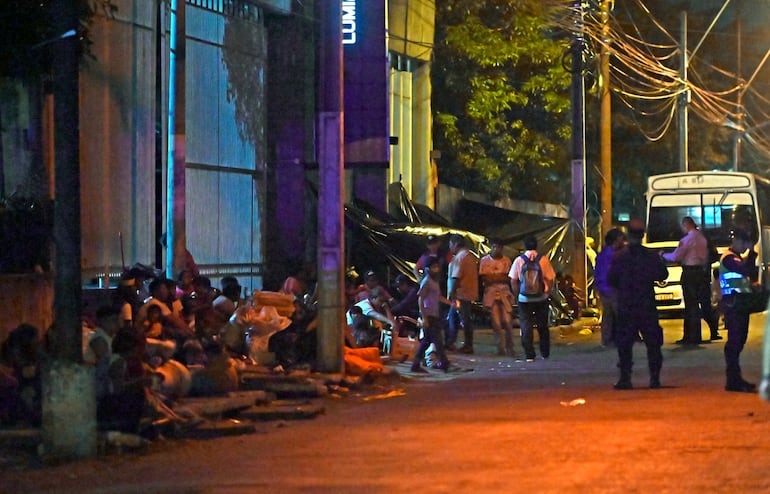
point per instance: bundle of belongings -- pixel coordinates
(249, 330)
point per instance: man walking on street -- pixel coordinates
(532, 278)
(633, 275)
(493, 273)
(462, 290)
(692, 254)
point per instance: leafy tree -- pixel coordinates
(28, 31)
(501, 99)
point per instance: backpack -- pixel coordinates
(531, 277)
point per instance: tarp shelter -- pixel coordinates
(389, 247)
(390, 243)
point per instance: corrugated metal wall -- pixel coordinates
(117, 139)
(224, 165)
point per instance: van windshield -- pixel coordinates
(717, 216)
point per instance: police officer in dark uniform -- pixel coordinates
(633, 275)
(737, 274)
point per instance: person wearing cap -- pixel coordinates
(737, 277)
(433, 244)
(633, 275)
(692, 254)
(498, 298)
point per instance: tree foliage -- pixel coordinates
(501, 99)
(28, 32)
(244, 56)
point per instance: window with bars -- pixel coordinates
(242, 9)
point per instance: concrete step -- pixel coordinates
(218, 406)
(284, 386)
(20, 437)
(282, 412)
(217, 428)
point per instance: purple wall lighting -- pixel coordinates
(366, 84)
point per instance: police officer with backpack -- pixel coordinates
(532, 277)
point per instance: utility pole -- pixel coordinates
(684, 98)
(331, 192)
(159, 5)
(605, 122)
(738, 136)
(175, 196)
(578, 210)
(68, 398)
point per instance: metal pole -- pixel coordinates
(741, 123)
(578, 155)
(605, 125)
(683, 100)
(331, 246)
(158, 134)
(175, 198)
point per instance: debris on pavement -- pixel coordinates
(573, 403)
(391, 394)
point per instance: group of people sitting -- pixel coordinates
(158, 339)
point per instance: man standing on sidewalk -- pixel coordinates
(532, 278)
(633, 275)
(692, 254)
(493, 273)
(462, 290)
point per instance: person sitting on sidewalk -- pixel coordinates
(406, 310)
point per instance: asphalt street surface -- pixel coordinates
(494, 424)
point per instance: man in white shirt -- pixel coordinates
(692, 254)
(462, 290)
(533, 308)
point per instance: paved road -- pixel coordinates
(507, 426)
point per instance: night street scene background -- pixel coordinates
(248, 167)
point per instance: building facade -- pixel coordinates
(250, 93)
